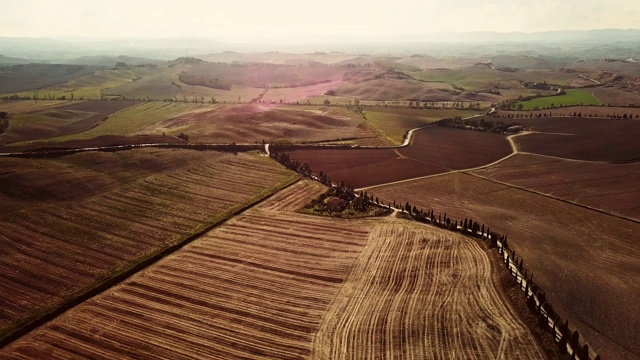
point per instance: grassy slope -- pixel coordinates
(395, 125)
(21, 106)
(572, 97)
(135, 119)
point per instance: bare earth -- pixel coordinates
(272, 283)
(418, 292)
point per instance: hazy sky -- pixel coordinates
(259, 20)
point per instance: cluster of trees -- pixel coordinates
(183, 136)
(301, 168)
(4, 121)
(480, 124)
(445, 104)
(200, 80)
(574, 114)
(189, 60)
(37, 97)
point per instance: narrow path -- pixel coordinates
(515, 149)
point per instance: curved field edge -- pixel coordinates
(123, 271)
(584, 260)
(418, 292)
(257, 287)
(570, 98)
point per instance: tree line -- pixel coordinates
(498, 127)
(548, 319)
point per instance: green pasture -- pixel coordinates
(571, 97)
(395, 125)
(134, 119)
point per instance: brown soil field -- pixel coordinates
(75, 221)
(363, 167)
(256, 122)
(270, 283)
(617, 97)
(433, 150)
(586, 261)
(456, 149)
(613, 188)
(256, 287)
(582, 139)
(418, 292)
(68, 119)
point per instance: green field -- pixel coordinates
(572, 97)
(394, 125)
(135, 119)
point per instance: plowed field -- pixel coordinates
(609, 187)
(270, 283)
(582, 139)
(586, 261)
(433, 150)
(97, 213)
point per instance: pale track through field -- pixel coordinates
(419, 293)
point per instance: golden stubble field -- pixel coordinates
(585, 260)
(274, 283)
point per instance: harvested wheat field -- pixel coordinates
(271, 283)
(418, 292)
(99, 213)
(585, 260)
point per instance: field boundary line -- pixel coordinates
(131, 269)
(552, 197)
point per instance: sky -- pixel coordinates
(300, 20)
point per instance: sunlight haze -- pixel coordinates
(299, 21)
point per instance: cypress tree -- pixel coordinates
(575, 341)
(584, 352)
(562, 345)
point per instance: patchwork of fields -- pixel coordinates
(433, 150)
(154, 253)
(264, 284)
(586, 261)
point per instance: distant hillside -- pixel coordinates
(5, 60)
(105, 60)
(25, 77)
